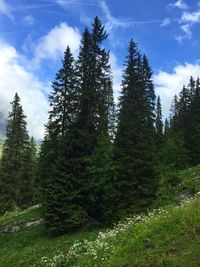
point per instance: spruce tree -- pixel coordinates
(95, 117)
(102, 170)
(30, 188)
(80, 125)
(159, 124)
(174, 153)
(134, 143)
(60, 184)
(193, 124)
(13, 174)
(166, 128)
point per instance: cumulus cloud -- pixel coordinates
(168, 84)
(5, 9)
(15, 78)
(54, 43)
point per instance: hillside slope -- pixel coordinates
(168, 236)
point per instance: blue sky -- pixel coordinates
(34, 35)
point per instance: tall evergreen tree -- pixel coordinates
(95, 118)
(30, 188)
(60, 185)
(193, 123)
(134, 144)
(13, 174)
(166, 128)
(159, 124)
(174, 153)
(80, 121)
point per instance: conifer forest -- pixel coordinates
(100, 160)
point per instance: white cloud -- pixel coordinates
(192, 17)
(5, 9)
(113, 22)
(187, 20)
(180, 38)
(117, 75)
(165, 22)
(68, 3)
(179, 4)
(54, 43)
(14, 77)
(29, 20)
(187, 30)
(187, 33)
(168, 84)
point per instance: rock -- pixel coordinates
(186, 195)
(34, 223)
(15, 229)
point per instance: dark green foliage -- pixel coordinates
(173, 153)
(15, 173)
(94, 126)
(102, 183)
(184, 125)
(159, 125)
(30, 187)
(88, 172)
(80, 127)
(134, 144)
(60, 185)
(193, 124)
(166, 129)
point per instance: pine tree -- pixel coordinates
(94, 125)
(193, 124)
(102, 170)
(134, 144)
(159, 124)
(80, 121)
(29, 187)
(174, 153)
(14, 159)
(166, 129)
(60, 185)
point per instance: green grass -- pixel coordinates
(170, 237)
(167, 237)
(176, 186)
(11, 218)
(25, 248)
